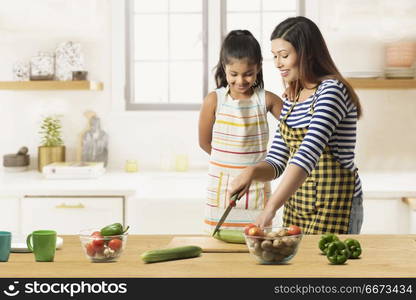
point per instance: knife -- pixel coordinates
(233, 202)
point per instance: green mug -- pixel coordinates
(44, 244)
(5, 245)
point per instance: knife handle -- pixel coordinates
(234, 200)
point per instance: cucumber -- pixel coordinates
(230, 236)
(151, 256)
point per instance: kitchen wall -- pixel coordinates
(355, 32)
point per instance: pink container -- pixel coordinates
(400, 54)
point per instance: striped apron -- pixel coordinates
(323, 203)
(239, 139)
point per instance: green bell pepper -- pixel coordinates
(354, 247)
(337, 253)
(114, 229)
(325, 240)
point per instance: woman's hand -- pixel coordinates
(265, 218)
(241, 184)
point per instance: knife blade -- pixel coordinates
(234, 199)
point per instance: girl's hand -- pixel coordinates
(265, 218)
(289, 94)
(240, 184)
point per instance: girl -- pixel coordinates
(233, 129)
(321, 189)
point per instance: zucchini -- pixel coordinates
(230, 236)
(151, 256)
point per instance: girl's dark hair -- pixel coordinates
(314, 61)
(239, 44)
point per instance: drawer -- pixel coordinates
(69, 215)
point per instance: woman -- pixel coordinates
(315, 141)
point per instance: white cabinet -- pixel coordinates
(167, 216)
(385, 216)
(69, 215)
(9, 214)
(169, 203)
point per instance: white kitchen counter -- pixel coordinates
(179, 198)
(153, 184)
(389, 185)
(171, 184)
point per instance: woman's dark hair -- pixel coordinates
(239, 44)
(314, 61)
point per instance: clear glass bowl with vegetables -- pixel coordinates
(273, 245)
(105, 244)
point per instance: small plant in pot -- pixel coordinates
(52, 148)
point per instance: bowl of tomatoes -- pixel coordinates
(100, 248)
(273, 245)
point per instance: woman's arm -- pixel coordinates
(291, 181)
(274, 104)
(329, 110)
(206, 121)
(267, 170)
(262, 171)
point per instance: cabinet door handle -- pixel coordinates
(411, 202)
(64, 205)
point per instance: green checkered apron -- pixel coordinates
(323, 203)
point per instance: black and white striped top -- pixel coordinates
(333, 123)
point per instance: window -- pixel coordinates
(264, 15)
(168, 46)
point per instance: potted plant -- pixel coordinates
(52, 148)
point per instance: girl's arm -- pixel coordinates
(206, 121)
(274, 104)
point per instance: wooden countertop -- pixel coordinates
(383, 256)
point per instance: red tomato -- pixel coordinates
(115, 244)
(255, 231)
(96, 234)
(90, 249)
(293, 230)
(248, 227)
(98, 244)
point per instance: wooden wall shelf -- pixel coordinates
(52, 85)
(382, 83)
(358, 83)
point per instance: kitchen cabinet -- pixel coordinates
(411, 204)
(9, 214)
(69, 215)
(168, 202)
(167, 216)
(385, 216)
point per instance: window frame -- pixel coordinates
(129, 87)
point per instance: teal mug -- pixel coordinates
(43, 244)
(5, 245)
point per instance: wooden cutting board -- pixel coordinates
(207, 243)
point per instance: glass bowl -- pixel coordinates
(273, 245)
(98, 248)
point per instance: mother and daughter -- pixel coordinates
(313, 147)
